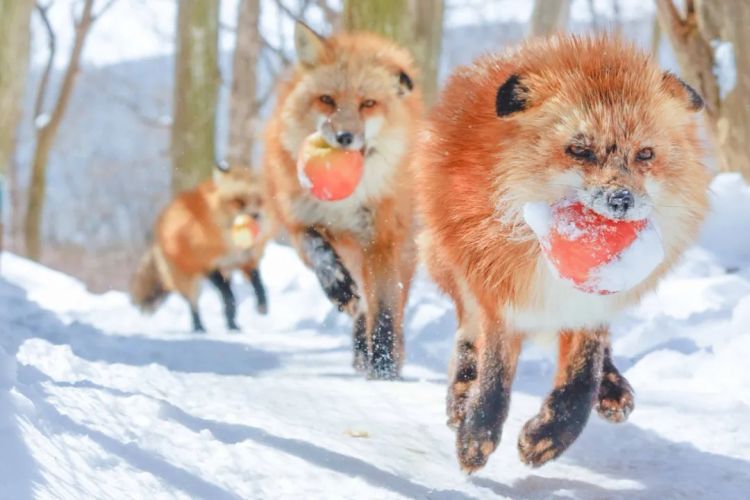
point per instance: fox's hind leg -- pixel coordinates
(566, 409)
(224, 287)
(252, 272)
(616, 399)
(189, 288)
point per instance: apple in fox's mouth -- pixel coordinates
(244, 231)
(592, 252)
(329, 173)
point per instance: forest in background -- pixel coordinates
(111, 106)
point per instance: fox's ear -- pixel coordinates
(405, 83)
(309, 46)
(677, 88)
(511, 96)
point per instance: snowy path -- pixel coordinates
(105, 403)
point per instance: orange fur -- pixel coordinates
(373, 230)
(192, 237)
(478, 169)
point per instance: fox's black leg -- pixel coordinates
(566, 410)
(359, 337)
(335, 279)
(230, 309)
(196, 317)
(383, 362)
(616, 400)
(260, 291)
(488, 401)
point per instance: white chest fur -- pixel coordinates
(555, 305)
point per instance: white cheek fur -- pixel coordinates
(372, 127)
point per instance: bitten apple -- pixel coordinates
(244, 231)
(329, 173)
(594, 253)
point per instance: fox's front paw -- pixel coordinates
(616, 400)
(350, 302)
(474, 445)
(262, 309)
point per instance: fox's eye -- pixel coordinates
(368, 103)
(581, 153)
(645, 154)
(328, 100)
(239, 203)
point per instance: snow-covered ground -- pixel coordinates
(97, 401)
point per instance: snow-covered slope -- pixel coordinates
(97, 401)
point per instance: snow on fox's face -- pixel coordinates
(621, 140)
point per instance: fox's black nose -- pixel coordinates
(620, 200)
(344, 138)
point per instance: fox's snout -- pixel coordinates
(618, 202)
(343, 129)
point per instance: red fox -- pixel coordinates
(357, 92)
(589, 118)
(193, 240)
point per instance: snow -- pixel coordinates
(98, 401)
(725, 68)
(633, 265)
(619, 273)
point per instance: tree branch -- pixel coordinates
(104, 9)
(41, 91)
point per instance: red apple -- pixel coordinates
(329, 173)
(580, 243)
(244, 231)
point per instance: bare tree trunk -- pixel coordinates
(415, 24)
(549, 16)
(196, 83)
(655, 40)
(47, 127)
(243, 104)
(14, 55)
(711, 41)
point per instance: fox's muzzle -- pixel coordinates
(344, 130)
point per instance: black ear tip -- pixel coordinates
(696, 101)
(675, 85)
(510, 97)
(405, 80)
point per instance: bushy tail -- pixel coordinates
(147, 290)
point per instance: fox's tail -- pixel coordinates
(147, 290)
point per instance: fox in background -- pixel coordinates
(193, 241)
(589, 118)
(357, 91)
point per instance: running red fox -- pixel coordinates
(592, 119)
(196, 237)
(356, 91)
